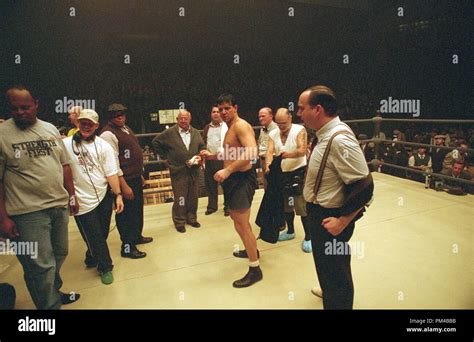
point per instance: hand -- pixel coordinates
(205, 154)
(221, 175)
(286, 155)
(334, 225)
(211, 156)
(128, 193)
(267, 170)
(196, 160)
(73, 205)
(143, 181)
(8, 227)
(119, 204)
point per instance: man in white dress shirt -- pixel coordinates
(331, 212)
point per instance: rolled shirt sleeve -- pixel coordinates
(348, 159)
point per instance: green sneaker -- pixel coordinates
(107, 278)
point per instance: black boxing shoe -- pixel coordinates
(253, 275)
(243, 254)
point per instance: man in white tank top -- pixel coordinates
(289, 142)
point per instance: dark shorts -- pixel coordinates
(239, 189)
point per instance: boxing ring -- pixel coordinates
(412, 250)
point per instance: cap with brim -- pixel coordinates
(89, 114)
(116, 107)
(440, 136)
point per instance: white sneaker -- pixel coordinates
(317, 291)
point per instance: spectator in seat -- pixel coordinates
(460, 152)
(420, 161)
(457, 171)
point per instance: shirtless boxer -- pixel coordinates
(239, 181)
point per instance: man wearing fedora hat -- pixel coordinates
(130, 161)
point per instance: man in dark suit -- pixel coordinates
(180, 146)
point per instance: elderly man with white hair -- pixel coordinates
(180, 145)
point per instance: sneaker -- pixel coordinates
(107, 278)
(306, 246)
(285, 236)
(317, 291)
(253, 275)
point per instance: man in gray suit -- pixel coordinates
(180, 146)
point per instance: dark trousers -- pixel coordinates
(333, 269)
(212, 166)
(262, 166)
(185, 191)
(130, 220)
(7, 297)
(94, 228)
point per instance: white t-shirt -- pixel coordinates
(98, 156)
(291, 145)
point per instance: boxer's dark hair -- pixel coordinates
(227, 98)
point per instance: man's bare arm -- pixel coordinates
(7, 226)
(301, 143)
(269, 155)
(69, 186)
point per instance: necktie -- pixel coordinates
(313, 145)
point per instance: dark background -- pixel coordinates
(190, 59)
